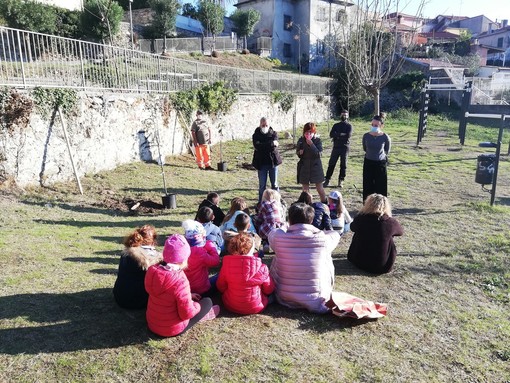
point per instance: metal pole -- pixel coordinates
(131, 25)
(329, 38)
(466, 101)
(82, 65)
(496, 162)
(69, 149)
(21, 60)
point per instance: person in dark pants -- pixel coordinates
(266, 157)
(340, 134)
(376, 145)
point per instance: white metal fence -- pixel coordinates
(29, 59)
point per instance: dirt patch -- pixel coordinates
(130, 205)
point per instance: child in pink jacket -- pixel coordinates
(172, 308)
(244, 280)
(203, 256)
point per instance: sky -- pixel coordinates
(493, 9)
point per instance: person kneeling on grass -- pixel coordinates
(172, 308)
(302, 268)
(244, 280)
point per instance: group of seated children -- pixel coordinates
(175, 286)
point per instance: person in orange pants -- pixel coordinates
(201, 133)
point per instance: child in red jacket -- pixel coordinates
(203, 256)
(172, 308)
(244, 280)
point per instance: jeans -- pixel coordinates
(273, 177)
(335, 154)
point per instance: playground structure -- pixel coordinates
(487, 166)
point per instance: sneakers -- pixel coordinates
(326, 183)
(213, 313)
(208, 168)
(341, 184)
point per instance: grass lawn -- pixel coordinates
(448, 296)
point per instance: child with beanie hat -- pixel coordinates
(203, 256)
(340, 217)
(172, 308)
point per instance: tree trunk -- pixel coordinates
(376, 94)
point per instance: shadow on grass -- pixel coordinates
(77, 208)
(403, 163)
(107, 261)
(85, 320)
(344, 267)
(319, 323)
(178, 191)
(503, 201)
(129, 224)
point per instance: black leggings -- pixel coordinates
(375, 178)
(205, 306)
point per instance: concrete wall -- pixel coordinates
(110, 129)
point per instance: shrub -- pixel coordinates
(286, 100)
(212, 99)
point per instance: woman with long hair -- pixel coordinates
(372, 248)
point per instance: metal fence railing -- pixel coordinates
(191, 44)
(29, 59)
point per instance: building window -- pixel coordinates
(287, 23)
(321, 14)
(287, 52)
(341, 16)
(500, 42)
(321, 48)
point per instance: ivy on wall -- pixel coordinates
(286, 100)
(212, 99)
(49, 99)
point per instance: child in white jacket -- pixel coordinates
(340, 217)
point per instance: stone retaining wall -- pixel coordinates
(112, 129)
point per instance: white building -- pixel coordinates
(69, 4)
(300, 29)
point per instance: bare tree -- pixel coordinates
(372, 46)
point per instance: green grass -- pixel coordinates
(448, 295)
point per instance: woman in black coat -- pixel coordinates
(309, 170)
(138, 255)
(372, 248)
(266, 157)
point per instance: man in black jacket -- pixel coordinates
(340, 134)
(266, 156)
